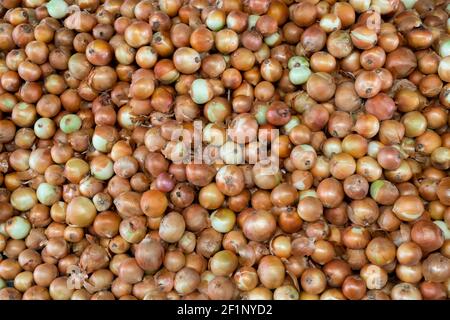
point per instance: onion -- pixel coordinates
(44, 274)
(299, 75)
(223, 220)
(23, 198)
(230, 180)
(172, 227)
(384, 192)
(201, 91)
(427, 235)
(10, 294)
(380, 251)
(81, 212)
(408, 208)
(94, 257)
(432, 290)
(130, 272)
(259, 225)
(186, 280)
(36, 293)
(271, 272)
(210, 197)
(57, 8)
(436, 268)
(127, 204)
(405, 291)
(153, 203)
(336, 272)
(48, 194)
(149, 255)
(353, 288)
(313, 281)
(223, 263)
(443, 191)
(18, 227)
(133, 229)
(220, 288)
(444, 228)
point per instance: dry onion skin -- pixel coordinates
(224, 150)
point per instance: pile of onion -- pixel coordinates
(324, 141)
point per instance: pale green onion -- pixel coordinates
(18, 227)
(443, 226)
(297, 61)
(444, 49)
(48, 194)
(70, 123)
(409, 4)
(273, 39)
(44, 128)
(299, 75)
(295, 121)
(57, 8)
(252, 19)
(201, 91)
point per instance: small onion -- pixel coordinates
(70, 123)
(18, 227)
(271, 272)
(57, 8)
(299, 75)
(48, 194)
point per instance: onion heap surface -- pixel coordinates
(224, 150)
